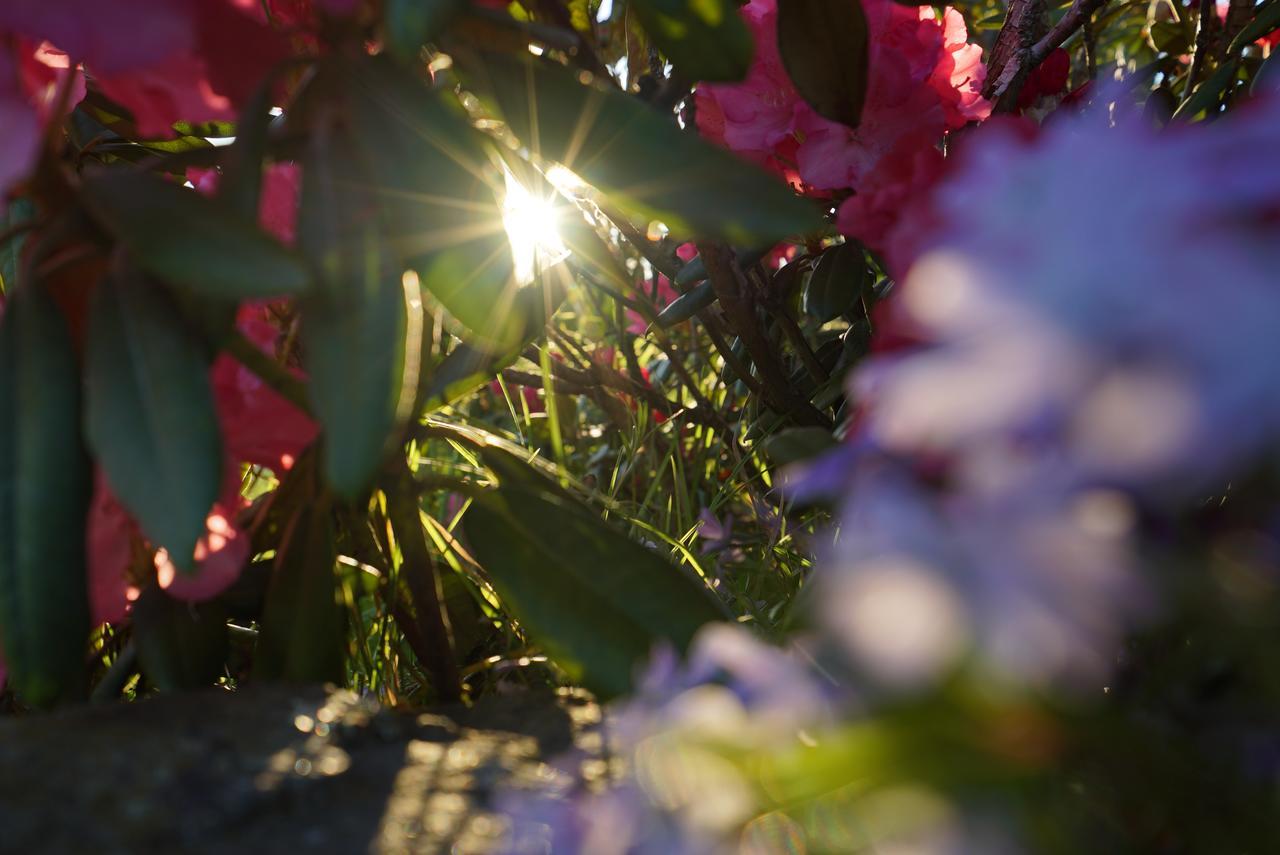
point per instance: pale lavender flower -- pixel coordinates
(1039, 586)
(1107, 294)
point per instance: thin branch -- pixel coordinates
(1080, 11)
(738, 305)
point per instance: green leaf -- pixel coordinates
(150, 419)
(240, 187)
(408, 24)
(44, 499)
(354, 324)
(180, 645)
(687, 305)
(704, 39)
(835, 286)
(191, 241)
(1267, 19)
(596, 599)
(303, 633)
(647, 166)
(696, 269)
(436, 184)
(823, 44)
(795, 445)
(1209, 92)
(18, 211)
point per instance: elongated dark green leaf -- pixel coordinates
(150, 417)
(437, 185)
(1209, 92)
(191, 241)
(835, 286)
(687, 305)
(1267, 19)
(303, 623)
(180, 645)
(408, 24)
(644, 163)
(354, 324)
(704, 39)
(598, 600)
(18, 211)
(696, 269)
(44, 498)
(241, 185)
(823, 44)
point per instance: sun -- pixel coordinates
(532, 225)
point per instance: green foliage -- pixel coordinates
(823, 44)
(45, 483)
(598, 600)
(704, 39)
(640, 161)
(191, 241)
(180, 645)
(302, 637)
(149, 411)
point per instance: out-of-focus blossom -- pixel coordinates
(112, 535)
(1095, 336)
(1083, 305)
(164, 60)
(220, 554)
(924, 78)
(679, 792)
(1040, 585)
(258, 425)
(107, 37)
(21, 138)
(31, 77)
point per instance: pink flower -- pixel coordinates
(924, 79)
(163, 60)
(21, 138)
(258, 426)
(112, 535)
(107, 37)
(959, 75)
(873, 216)
(220, 555)
(30, 77)
(1047, 79)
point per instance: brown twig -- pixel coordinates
(1080, 11)
(736, 300)
(1206, 26)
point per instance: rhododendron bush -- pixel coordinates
(876, 404)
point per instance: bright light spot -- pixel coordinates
(566, 181)
(899, 618)
(533, 229)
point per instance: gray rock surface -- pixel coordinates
(272, 769)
